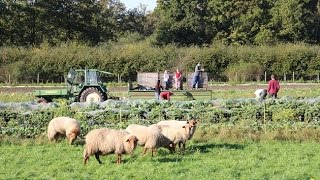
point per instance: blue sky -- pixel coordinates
(130, 4)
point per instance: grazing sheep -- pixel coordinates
(106, 141)
(150, 137)
(177, 135)
(179, 124)
(63, 126)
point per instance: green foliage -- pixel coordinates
(244, 72)
(131, 55)
(287, 113)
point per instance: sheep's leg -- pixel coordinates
(85, 159)
(98, 158)
(119, 159)
(174, 147)
(184, 146)
(144, 151)
(154, 150)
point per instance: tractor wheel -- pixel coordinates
(42, 100)
(91, 94)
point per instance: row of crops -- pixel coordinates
(30, 120)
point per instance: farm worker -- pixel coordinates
(260, 94)
(158, 89)
(178, 79)
(166, 79)
(166, 95)
(197, 75)
(273, 87)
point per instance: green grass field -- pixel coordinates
(206, 160)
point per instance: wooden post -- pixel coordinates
(38, 77)
(293, 76)
(236, 76)
(265, 76)
(284, 77)
(120, 115)
(9, 79)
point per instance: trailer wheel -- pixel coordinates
(91, 94)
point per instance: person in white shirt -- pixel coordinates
(261, 94)
(166, 79)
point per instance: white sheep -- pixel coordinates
(63, 126)
(106, 141)
(150, 137)
(177, 135)
(179, 124)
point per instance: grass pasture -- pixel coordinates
(207, 160)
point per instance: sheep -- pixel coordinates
(177, 135)
(63, 126)
(150, 137)
(179, 124)
(105, 141)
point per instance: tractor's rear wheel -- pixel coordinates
(91, 94)
(42, 100)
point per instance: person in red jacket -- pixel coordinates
(273, 87)
(166, 95)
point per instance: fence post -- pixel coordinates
(9, 79)
(265, 76)
(293, 76)
(284, 77)
(236, 76)
(38, 77)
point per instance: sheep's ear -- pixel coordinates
(187, 121)
(183, 126)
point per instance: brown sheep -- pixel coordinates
(63, 126)
(106, 141)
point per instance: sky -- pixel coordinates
(130, 4)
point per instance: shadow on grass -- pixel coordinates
(169, 159)
(204, 148)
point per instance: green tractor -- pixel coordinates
(83, 85)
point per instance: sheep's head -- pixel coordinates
(130, 143)
(187, 129)
(192, 122)
(73, 135)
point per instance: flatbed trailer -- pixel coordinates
(180, 95)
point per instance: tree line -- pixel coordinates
(129, 56)
(190, 22)
(230, 37)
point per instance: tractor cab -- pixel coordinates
(85, 85)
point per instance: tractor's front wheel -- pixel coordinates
(91, 94)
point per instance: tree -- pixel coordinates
(182, 22)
